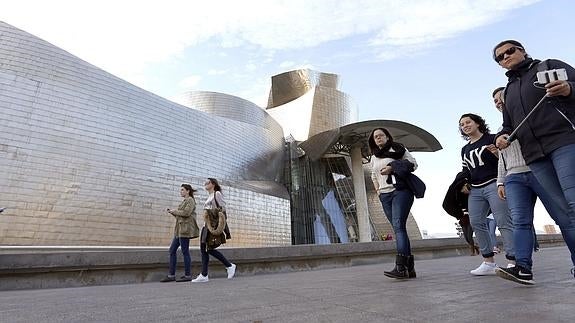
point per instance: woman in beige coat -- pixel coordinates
(186, 229)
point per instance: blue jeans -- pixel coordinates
(206, 258)
(396, 206)
(184, 243)
(480, 201)
(492, 226)
(521, 192)
(556, 174)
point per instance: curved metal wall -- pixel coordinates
(89, 159)
(263, 165)
(330, 108)
(293, 84)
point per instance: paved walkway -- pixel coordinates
(443, 292)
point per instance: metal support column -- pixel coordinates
(360, 194)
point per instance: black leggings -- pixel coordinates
(206, 258)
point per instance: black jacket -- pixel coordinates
(402, 169)
(455, 201)
(552, 125)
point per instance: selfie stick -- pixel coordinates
(514, 133)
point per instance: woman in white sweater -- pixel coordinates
(386, 160)
(214, 202)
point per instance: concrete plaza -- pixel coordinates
(443, 292)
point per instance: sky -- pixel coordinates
(425, 62)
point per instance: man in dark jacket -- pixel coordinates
(547, 137)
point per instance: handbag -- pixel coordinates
(226, 228)
(215, 220)
(214, 240)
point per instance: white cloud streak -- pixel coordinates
(123, 36)
(190, 82)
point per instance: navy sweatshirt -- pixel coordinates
(479, 162)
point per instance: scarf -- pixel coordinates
(399, 151)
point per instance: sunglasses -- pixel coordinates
(509, 51)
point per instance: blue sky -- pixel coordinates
(425, 62)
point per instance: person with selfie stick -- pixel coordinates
(546, 132)
(512, 136)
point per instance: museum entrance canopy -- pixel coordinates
(342, 139)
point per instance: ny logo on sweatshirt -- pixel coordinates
(474, 156)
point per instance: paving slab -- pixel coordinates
(443, 292)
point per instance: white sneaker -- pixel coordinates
(231, 271)
(201, 279)
(485, 269)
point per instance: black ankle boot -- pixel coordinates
(411, 267)
(400, 270)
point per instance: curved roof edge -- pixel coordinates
(413, 137)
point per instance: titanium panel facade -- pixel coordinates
(330, 108)
(89, 159)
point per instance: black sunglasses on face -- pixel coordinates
(509, 51)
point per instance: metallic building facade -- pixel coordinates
(307, 102)
(318, 118)
(89, 159)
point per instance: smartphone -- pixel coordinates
(545, 77)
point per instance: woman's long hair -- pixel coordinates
(371, 141)
(217, 187)
(483, 128)
(189, 188)
(385, 152)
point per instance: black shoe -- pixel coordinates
(168, 279)
(516, 274)
(184, 279)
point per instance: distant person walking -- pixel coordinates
(480, 157)
(186, 228)
(212, 222)
(391, 165)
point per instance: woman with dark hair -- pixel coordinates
(480, 158)
(186, 228)
(388, 160)
(213, 221)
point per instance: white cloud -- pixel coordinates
(190, 82)
(290, 65)
(123, 36)
(421, 27)
(217, 72)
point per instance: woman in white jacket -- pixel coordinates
(396, 203)
(215, 201)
